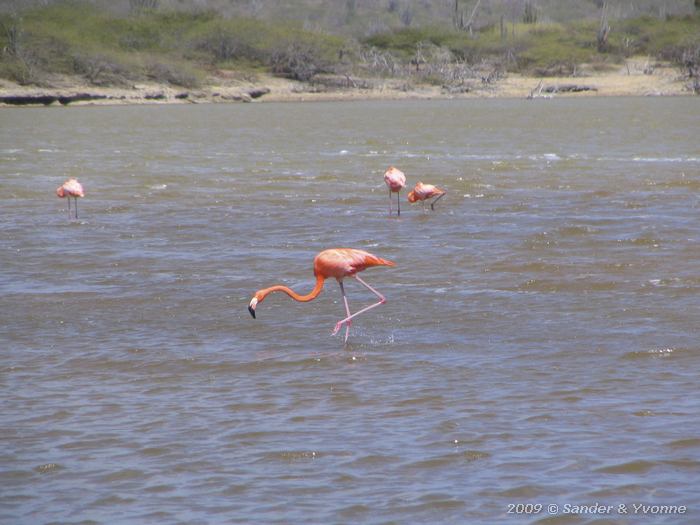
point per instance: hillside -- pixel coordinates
(454, 47)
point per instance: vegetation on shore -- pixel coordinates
(183, 47)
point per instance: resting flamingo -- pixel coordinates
(338, 263)
(422, 192)
(71, 188)
(395, 180)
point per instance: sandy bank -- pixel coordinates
(631, 79)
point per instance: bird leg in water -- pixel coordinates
(347, 310)
(76, 207)
(348, 319)
(69, 216)
(398, 202)
(432, 204)
(390, 202)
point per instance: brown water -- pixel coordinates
(540, 343)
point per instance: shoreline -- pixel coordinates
(630, 79)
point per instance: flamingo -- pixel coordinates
(422, 192)
(71, 188)
(395, 180)
(338, 263)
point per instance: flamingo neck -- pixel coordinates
(291, 293)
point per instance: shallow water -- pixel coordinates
(539, 345)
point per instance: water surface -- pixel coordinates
(540, 343)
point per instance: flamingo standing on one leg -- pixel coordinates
(395, 180)
(71, 188)
(422, 192)
(337, 263)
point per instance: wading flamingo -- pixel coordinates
(337, 263)
(395, 180)
(422, 192)
(71, 188)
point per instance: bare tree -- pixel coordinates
(603, 29)
(530, 16)
(407, 15)
(470, 21)
(351, 7)
(690, 60)
(13, 33)
(458, 17)
(23, 68)
(138, 6)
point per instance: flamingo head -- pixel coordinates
(252, 305)
(412, 196)
(60, 192)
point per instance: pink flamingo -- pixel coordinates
(338, 263)
(422, 192)
(395, 180)
(71, 188)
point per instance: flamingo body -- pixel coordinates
(336, 263)
(395, 180)
(71, 188)
(344, 262)
(423, 192)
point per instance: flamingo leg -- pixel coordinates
(348, 319)
(432, 204)
(68, 199)
(389, 202)
(76, 208)
(398, 202)
(347, 310)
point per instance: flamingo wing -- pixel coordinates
(394, 178)
(426, 191)
(341, 262)
(73, 187)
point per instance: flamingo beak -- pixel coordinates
(252, 305)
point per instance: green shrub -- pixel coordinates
(655, 37)
(102, 70)
(300, 55)
(18, 71)
(75, 37)
(181, 74)
(556, 50)
(405, 40)
(225, 40)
